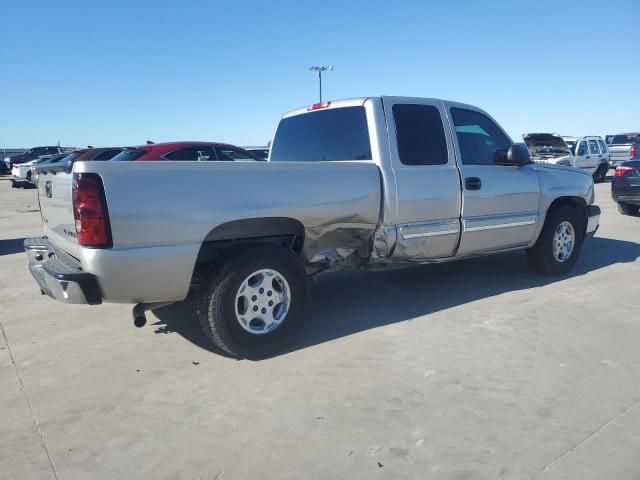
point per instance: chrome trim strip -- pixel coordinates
(496, 226)
(430, 234)
(430, 229)
(494, 222)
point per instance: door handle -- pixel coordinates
(587, 157)
(472, 183)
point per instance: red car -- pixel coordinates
(186, 151)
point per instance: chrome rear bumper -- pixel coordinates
(59, 275)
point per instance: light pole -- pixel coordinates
(318, 69)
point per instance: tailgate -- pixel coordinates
(619, 153)
(54, 192)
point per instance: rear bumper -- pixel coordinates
(617, 163)
(632, 199)
(593, 220)
(621, 191)
(59, 275)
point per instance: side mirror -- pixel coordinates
(517, 155)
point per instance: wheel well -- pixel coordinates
(238, 234)
(577, 203)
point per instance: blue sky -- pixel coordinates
(122, 72)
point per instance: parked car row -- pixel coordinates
(25, 167)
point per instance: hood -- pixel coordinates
(550, 144)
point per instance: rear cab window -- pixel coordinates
(622, 139)
(334, 134)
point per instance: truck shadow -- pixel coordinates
(343, 304)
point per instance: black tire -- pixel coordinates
(540, 256)
(216, 303)
(600, 175)
(628, 209)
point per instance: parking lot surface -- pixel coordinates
(470, 370)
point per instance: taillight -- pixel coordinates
(622, 171)
(632, 152)
(90, 211)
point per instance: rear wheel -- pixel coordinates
(559, 244)
(252, 305)
(628, 209)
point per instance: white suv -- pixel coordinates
(590, 154)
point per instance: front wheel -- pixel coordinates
(559, 244)
(252, 305)
(600, 174)
(628, 209)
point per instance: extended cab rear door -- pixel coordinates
(427, 179)
(500, 203)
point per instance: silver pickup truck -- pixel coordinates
(623, 147)
(358, 183)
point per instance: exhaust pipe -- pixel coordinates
(138, 312)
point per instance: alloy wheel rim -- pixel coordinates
(262, 301)
(564, 241)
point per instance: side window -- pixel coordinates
(582, 148)
(479, 138)
(38, 151)
(603, 147)
(230, 154)
(593, 147)
(192, 154)
(420, 135)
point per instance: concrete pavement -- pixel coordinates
(472, 370)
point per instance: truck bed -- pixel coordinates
(164, 211)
